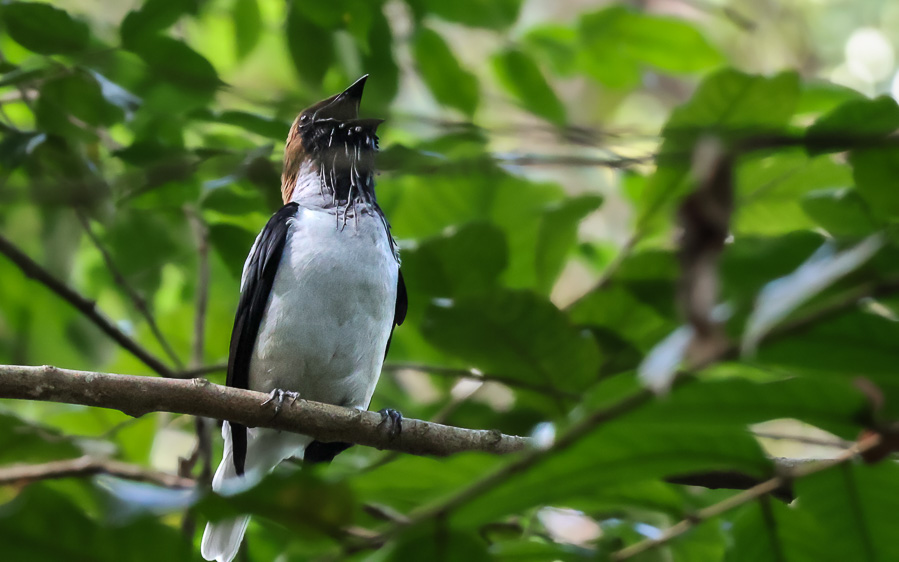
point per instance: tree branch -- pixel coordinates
(87, 466)
(135, 396)
(87, 307)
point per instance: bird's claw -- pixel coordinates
(277, 397)
(395, 419)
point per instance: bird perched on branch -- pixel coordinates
(321, 293)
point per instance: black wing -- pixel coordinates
(319, 451)
(259, 276)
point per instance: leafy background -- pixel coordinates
(534, 155)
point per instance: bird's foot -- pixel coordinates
(277, 397)
(393, 422)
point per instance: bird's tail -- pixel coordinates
(265, 449)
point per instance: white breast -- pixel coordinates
(330, 312)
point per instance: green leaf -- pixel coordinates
(247, 26)
(855, 119)
(274, 129)
(699, 427)
(875, 171)
(729, 104)
(820, 96)
(557, 236)
(492, 14)
(521, 77)
(556, 44)
(311, 47)
(44, 29)
(466, 261)
(855, 503)
(22, 442)
(431, 543)
(619, 40)
(29, 533)
(529, 338)
(152, 17)
(77, 95)
(841, 212)
(177, 63)
(450, 83)
(378, 60)
(769, 530)
(770, 187)
(232, 244)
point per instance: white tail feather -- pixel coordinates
(265, 449)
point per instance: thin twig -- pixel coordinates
(87, 307)
(140, 304)
(136, 395)
(87, 466)
(766, 487)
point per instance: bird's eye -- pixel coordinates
(304, 117)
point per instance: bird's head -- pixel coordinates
(329, 140)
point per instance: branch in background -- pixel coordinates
(87, 466)
(754, 493)
(135, 396)
(140, 304)
(87, 307)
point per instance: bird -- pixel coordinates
(321, 293)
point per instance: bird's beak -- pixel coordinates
(345, 105)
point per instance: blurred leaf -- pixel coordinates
(853, 120)
(521, 77)
(618, 40)
(378, 60)
(22, 442)
(78, 96)
(857, 502)
(699, 427)
(492, 14)
(557, 236)
(436, 544)
(177, 63)
(529, 338)
(770, 188)
(873, 169)
(450, 83)
(116, 95)
(311, 47)
(557, 44)
(29, 534)
(729, 104)
(782, 296)
(466, 261)
(43, 28)
(232, 244)
(274, 129)
(841, 212)
(819, 96)
(247, 26)
(152, 17)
